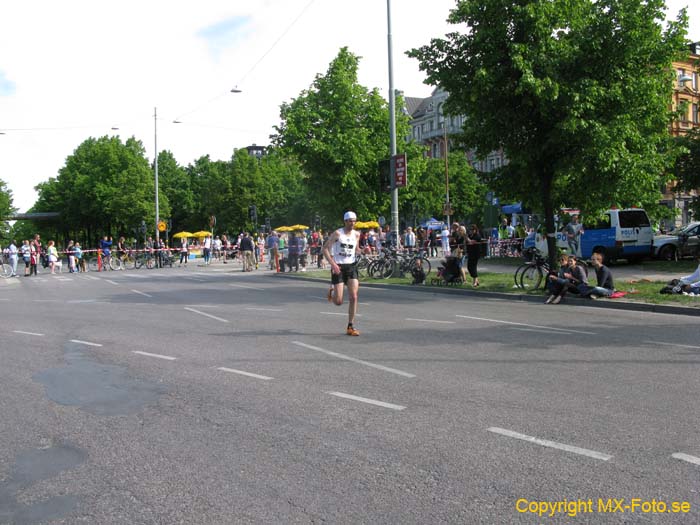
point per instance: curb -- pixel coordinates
(614, 304)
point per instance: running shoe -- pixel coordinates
(352, 331)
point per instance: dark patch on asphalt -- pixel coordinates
(30, 467)
(101, 389)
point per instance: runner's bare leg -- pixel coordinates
(353, 287)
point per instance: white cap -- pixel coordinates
(349, 215)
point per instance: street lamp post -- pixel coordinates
(392, 132)
(447, 173)
(155, 140)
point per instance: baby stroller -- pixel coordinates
(449, 273)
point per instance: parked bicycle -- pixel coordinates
(533, 272)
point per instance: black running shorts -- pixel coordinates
(347, 272)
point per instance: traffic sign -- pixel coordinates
(400, 175)
(162, 226)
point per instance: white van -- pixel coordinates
(619, 234)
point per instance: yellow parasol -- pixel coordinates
(201, 234)
(360, 225)
(371, 224)
(180, 235)
(299, 227)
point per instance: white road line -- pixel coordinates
(194, 279)
(368, 401)
(339, 313)
(88, 343)
(112, 282)
(241, 372)
(62, 279)
(246, 287)
(45, 300)
(78, 301)
(685, 457)
(353, 359)
(673, 344)
(551, 444)
(142, 293)
(206, 314)
(564, 330)
(92, 278)
(266, 309)
(27, 333)
(159, 356)
(429, 321)
(202, 305)
(536, 330)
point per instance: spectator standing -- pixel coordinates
(247, 250)
(13, 255)
(273, 249)
(409, 241)
(445, 240)
(80, 260)
(183, 251)
(33, 259)
(207, 250)
(53, 256)
(293, 258)
(473, 241)
(71, 257)
(26, 252)
(573, 231)
(38, 249)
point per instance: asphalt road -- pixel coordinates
(210, 396)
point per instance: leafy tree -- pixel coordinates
(6, 209)
(175, 183)
(339, 131)
(576, 92)
(426, 189)
(105, 188)
(687, 168)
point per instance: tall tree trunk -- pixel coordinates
(550, 228)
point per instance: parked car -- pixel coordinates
(679, 243)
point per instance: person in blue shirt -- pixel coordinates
(105, 245)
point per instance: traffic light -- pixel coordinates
(268, 225)
(253, 212)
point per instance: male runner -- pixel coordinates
(340, 251)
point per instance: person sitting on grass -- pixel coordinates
(692, 281)
(604, 277)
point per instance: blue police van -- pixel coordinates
(619, 234)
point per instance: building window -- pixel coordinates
(440, 117)
(696, 117)
(681, 74)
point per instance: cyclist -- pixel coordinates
(341, 251)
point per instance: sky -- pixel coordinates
(77, 69)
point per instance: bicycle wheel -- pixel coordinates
(362, 267)
(517, 276)
(531, 277)
(128, 262)
(138, 261)
(115, 263)
(6, 271)
(92, 264)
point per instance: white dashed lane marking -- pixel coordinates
(265, 309)
(27, 333)
(158, 356)
(673, 344)
(338, 313)
(551, 444)
(563, 330)
(367, 400)
(354, 360)
(241, 372)
(112, 282)
(686, 457)
(142, 293)
(246, 287)
(88, 343)
(429, 321)
(206, 315)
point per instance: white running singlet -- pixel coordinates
(343, 249)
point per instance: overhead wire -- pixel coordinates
(256, 64)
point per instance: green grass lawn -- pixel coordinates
(646, 292)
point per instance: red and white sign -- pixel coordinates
(400, 172)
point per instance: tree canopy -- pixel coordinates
(576, 92)
(6, 209)
(339, 131)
